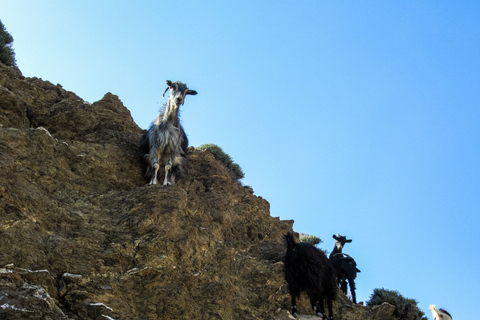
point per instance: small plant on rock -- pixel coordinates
(7, 55)
(313, 240)
(405, 309)
(233, 168)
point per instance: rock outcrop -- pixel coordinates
(82, 235)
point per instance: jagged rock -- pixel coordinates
(28, 294)
(83, 236)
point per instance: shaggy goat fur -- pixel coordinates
(439, 314)
(308, 268)
(344, 265)
(165, 142)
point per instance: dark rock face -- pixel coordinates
(82, 235)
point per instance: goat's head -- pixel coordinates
(178, 91)
(340, 241)
(289, 238)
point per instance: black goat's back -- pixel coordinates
(306, 265)
(349, 266)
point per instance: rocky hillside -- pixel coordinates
(82, 236)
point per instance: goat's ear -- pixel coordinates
(169, 84)
(349, 240)
(192, 92)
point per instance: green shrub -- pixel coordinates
(233, 168)
(7, 55)
(405, 309)
(310, 239)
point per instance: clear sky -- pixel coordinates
(353, 117)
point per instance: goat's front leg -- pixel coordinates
(168, 171)
(156, 166)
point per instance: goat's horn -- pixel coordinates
(165, 92)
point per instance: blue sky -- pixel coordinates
(351, 117)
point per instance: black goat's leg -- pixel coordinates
(351, 282)
(343, 284)
(294, 306)
(321, 311)
(313, 301)
(330, 309)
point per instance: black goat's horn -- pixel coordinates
(165, 92)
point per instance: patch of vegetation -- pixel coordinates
(313, 240)
(405, 309)
(233, 168)
(7, 55)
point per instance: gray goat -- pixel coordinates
(165, 142)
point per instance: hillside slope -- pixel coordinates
(82, 236)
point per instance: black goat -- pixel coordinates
(307, 268)
(165, 142)
(344, 265)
